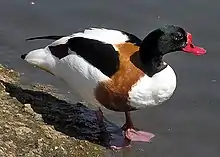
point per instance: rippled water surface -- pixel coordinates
(188, 124)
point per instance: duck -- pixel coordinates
(115, 69)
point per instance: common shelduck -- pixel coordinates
(116, 69)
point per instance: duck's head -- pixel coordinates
(168, 39)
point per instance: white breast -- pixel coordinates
(151, 91)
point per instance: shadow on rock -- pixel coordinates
(75, 120)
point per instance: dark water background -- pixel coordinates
(188, 124)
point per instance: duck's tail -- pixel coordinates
(53, 37)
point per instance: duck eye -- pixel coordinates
(175, 38)
(178, 36)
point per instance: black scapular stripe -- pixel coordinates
(101, 55)
(59, 51)
(51, 37)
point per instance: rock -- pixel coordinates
(2, 87)
(27, 108)
(34, 123)
(2, 154)
(21, 131)
(38, 117)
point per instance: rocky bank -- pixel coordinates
(37, 122)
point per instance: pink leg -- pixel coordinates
(116, 143)
(132, 134)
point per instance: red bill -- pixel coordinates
(191, 48)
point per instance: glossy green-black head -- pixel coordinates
(168, 39)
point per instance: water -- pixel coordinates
(187, 125)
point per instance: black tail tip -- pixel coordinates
(23, 56)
